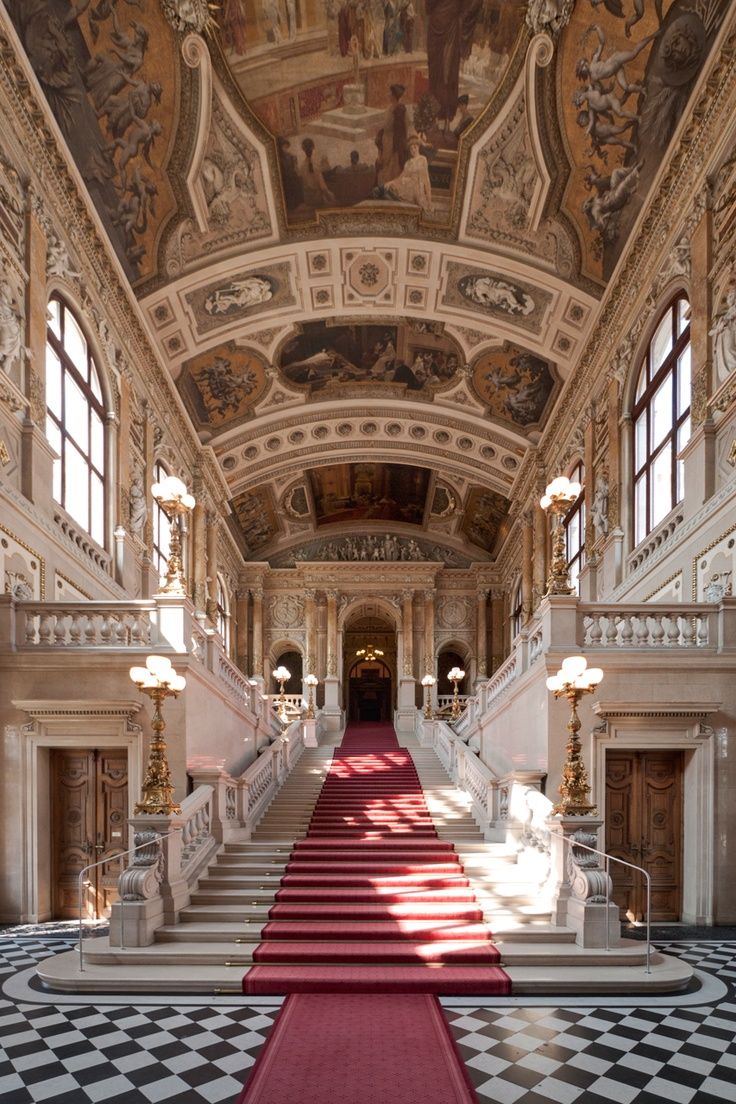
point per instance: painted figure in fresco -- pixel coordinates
(290, 178)
(616, 8)
(316, 192)
(231, 19)
(247, 291)
(407, 19)
(450, 28)
(394, 135)
(602, 133)
(272, 21)
(132, 104)
(612, 193)
(490, 291)
(724, 338)
(413, 185)
(392, 36)
(107, 74)
(598, 69)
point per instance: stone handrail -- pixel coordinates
(171, 852)
(110, 624)
(502, 678)
(647, 625)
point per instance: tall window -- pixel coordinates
(161, 527)
(75, 421)
(223, 614)
(662, 419)
(575, 531)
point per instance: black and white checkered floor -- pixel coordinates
(76, 1051)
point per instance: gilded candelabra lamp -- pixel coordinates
(311, 681)
(173, 498)
(572, 681)
(282, 675)
(455, 676)
(428, 682)
(158, 680)
(557, 500)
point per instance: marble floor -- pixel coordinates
(679, 1049)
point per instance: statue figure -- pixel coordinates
(138, 506)
(10, 326)
(599, 509)
(724, 338)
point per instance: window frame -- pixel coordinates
(222, 613)
(576, 557)
(643, 406)
(159, 522)
(96, 527)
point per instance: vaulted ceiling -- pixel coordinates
(369, 334)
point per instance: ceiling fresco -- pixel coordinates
(221, 387)
(515, 384)
(109, 71)
(343, 86)
(324, 356)
(484, 516)
(369, 492)
(626, 71)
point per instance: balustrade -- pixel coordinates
(647, 626)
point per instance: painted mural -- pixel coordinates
(255, 512)
(628, 68)
(515, 384)
(345, 85)
(369, 492)
(108, 70)
(484, 516)
(495, 296)
(221, 387)
(323, 357)
(241, 296)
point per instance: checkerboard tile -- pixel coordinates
(682, 1055)
(79, 1053)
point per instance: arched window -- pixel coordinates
(75, 421)
(574, 523)
(161, 527)
(662, 419)
(223, 614)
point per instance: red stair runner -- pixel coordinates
(372, 901)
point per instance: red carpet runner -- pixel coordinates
(372, 902)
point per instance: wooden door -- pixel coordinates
(89, 802)
(644, 827)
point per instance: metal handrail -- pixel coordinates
(575, 843)
(100, 862)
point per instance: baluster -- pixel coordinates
(120, 630)
(703, 627)
(106, 628)
(596, 630)
(612, 623)
(673, 630)
(627, 631)
(31, 633)
(75, 630)
(688, 632)
(60, 628)
(658, 630)
(642, 631)
(90, 629)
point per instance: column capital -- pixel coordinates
(407, 596)
(256, 593)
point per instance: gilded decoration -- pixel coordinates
(221, 387)
(516, 385)
(323, 357)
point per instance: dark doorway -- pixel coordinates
(292, 661)
(370, 692)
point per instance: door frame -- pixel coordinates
(670, 727)
(96, 723)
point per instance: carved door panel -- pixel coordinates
(89, 800)
(644, 826)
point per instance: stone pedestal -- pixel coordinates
(332, 718)
(353, 120)
(581, 887)
(309, 732)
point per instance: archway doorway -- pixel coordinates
(369, 648)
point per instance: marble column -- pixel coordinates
(539, 570)
(407, 684)
(256, 593)
(213, 525)
(310, 632)
(498, 625)
(527, 573)
(481, 635)
(199, 544)
(429, 664)
(241, 631)
(332, 707)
